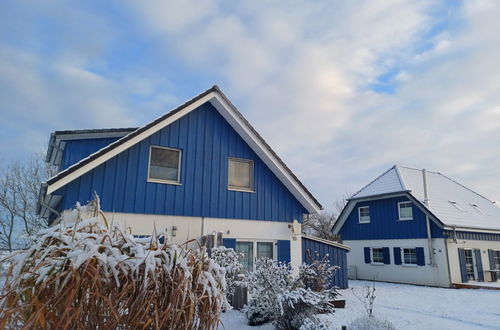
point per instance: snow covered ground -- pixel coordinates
(411, 307)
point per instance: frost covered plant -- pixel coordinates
(317, 275)
(367, 298)
(270, 279)
(82, 274)
(230, 260)
(370, 323)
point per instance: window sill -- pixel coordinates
(363, 223)
(241, 190)
(409, 219)
(409, 265)
(377, 264)
(164, 182)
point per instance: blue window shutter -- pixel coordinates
(367, 255)
(284, 251)
(230, 243)
(387, 255)
(492, 265)
(397, 256)
(463, 269)
(420, 256)
(479, 265)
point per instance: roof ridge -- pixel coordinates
(95, 130)
(417, 169)
(378, 177)
(458, 183)
(400, 178)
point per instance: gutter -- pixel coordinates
(427, 220)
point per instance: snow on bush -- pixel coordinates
(80, 274)
(276, 296)
(370, 323)
(230, 260)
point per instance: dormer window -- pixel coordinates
(240, 176)
(405, 210)
(164, 164)
(364, 214)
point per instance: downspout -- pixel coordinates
(427, 220)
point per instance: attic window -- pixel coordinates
(456, 205)
(164, 164)
(240, 176)
(476, 208)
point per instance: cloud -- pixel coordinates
(342, 90)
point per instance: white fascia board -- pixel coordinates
(325, 241)
(470, 229)
(263, 152)
(115, 151)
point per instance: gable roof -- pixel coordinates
(450, 202)
(215, 96)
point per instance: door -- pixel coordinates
(470, 265)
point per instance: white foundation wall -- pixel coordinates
(189, 228)
(454, 260)
(423, 275)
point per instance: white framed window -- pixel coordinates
(240, 174)
(409, 256)
(377, 255)
(364, 214)
(164, 165)
(470, 265)
(496, 259)
(253, 250)
(405, 210)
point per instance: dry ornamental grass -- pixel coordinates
(81, 275)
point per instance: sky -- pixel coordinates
(342, 90)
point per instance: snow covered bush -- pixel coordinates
(317, 275)
(230, 260)
(82, 274)
(370, 323)
(277, 296)
(270, 279)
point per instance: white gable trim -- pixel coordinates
(234, 120)
(326, 241)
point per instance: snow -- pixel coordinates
(409, 307)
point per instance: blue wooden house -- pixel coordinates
(197, 170)
(420, 227)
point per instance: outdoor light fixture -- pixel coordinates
(174, 231)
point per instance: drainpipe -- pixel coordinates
(427, 220)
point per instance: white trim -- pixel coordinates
(399, 211)
(359, 214)
(179, 163)
(322, 240)
(234, 120)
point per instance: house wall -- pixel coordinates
(206, 141)
(189, 228)
(469, 244)
(385, 223)
(76, 150)
(423, 275)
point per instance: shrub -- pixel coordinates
(370, 323)
(80, 274)
(317, 275)
(270, 279)
(230, 260)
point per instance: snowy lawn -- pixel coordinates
(411, 307)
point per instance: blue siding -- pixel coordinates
(384, 223)
(206, 141)
(76, 150)
(312, 250)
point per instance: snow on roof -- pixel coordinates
(451, 202)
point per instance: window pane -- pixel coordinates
(378, 255)
(265, 250)
(364, 214)
(240, 174)
(164, 164)
(410, 256)
(247, 260)
(405, 210)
